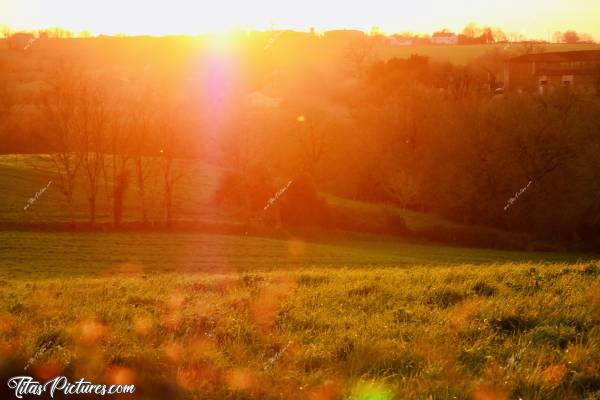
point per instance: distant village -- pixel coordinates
(543, 73)
(471, 35)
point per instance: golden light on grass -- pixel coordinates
(121, 376)
(264, 309)
(296, 247)
(174, 351)
(554, 374)
(46, 370)
(200, 348)
(242, 379)
(142, 325)
(461, 315)
(488, 393)
(128, 268)
(325, 391)
(6, 322)
(175, 301)
(90, 331)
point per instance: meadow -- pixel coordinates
(193, 315)
(340, 315)
(324, 327)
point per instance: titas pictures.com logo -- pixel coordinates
(27, 386)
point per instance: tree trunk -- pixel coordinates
(168, 205)
(92, 204)
(168, 192)
(69, 198)
(141, 189)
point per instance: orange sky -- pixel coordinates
(533, 18)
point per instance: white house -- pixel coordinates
(444, 38)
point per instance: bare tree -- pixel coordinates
(472, 30)
(92, 122)
(313, 143)
(141, 111)
(169, 135)
(7, 103)
(117, 141)
(60, 110)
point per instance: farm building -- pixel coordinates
(546, 72)
(444, 38)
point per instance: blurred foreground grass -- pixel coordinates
(514, 330)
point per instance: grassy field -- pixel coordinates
(313, 331)
(22, 176)
(345, 316)
(42, 255)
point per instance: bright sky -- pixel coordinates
(533, 18)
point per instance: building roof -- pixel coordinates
(561, 56)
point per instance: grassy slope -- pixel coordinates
(19, 181)
(358, 316)
(501, 331)
(21, 176)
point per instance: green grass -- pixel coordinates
(347, 316)
(446, 332)
(21, 176)
(378, 212)
(38, 255)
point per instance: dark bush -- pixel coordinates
(301, 205)
(229, 190)
(250, 191)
